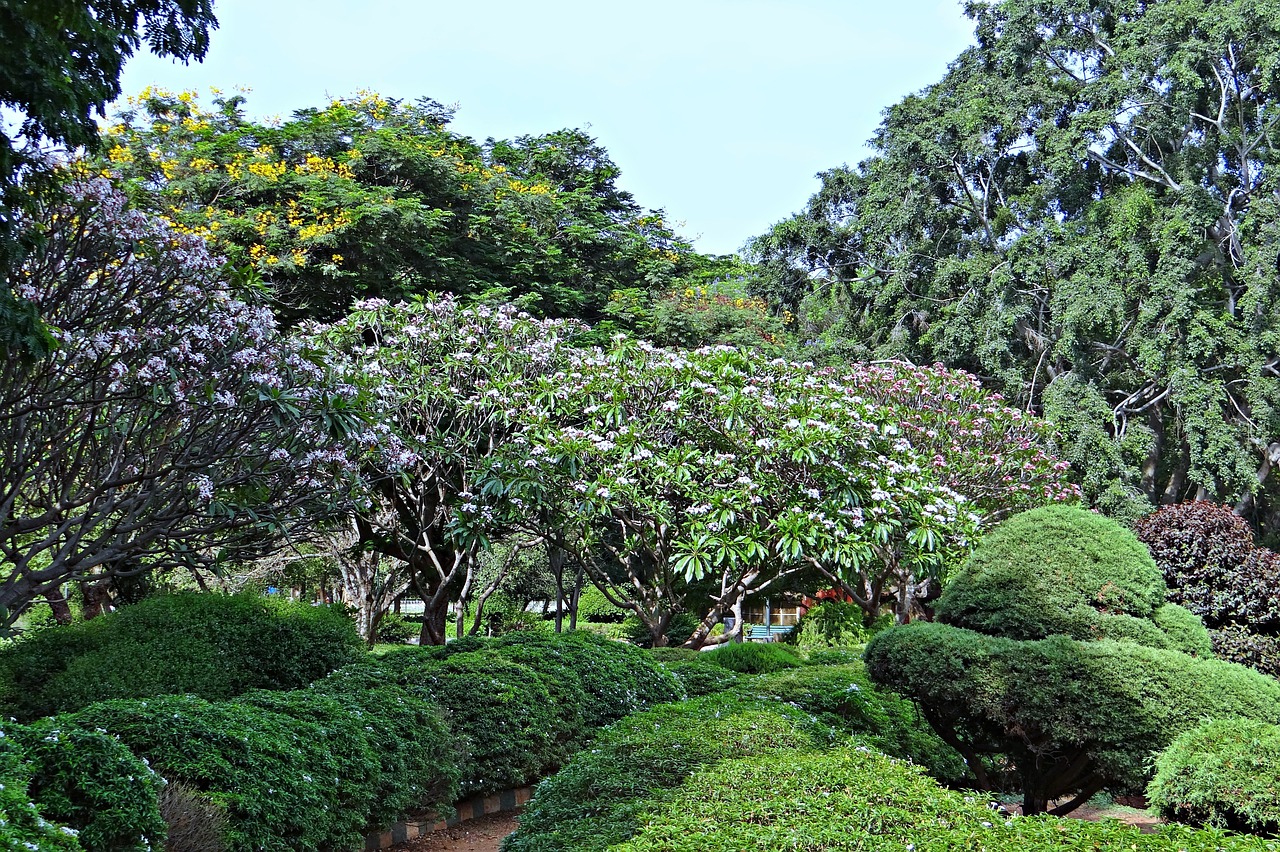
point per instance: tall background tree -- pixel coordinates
(1083, 212)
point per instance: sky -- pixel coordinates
(720, 112)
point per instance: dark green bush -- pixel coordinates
(595, 607)
(22, 825)
(593, 801)
(1055, 570)
(1224, 773)
(283, 782)
(854, 800)
(215, 646)
(702, 678)
(394, 629)
(1070, 715)
(754, 657)
(844, 698)
(82, 779)
(619, 678)
(1238, 645)
(502, 713)
(833, 656)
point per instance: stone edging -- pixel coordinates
(478, 806)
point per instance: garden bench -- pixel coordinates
(768, 633)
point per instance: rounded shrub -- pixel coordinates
(282, 782)
(855, 800)
(594, 801)
(754, 657)
(214, 646)
(618, 678)
(85, 779)
(593, 606)
(831, 624)
(844, 698)
(1185, 630)
(1207, 555)
(1053, 570)
(22, 825)
(1223, 773)
(702, 678)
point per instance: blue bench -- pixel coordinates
(768, 632)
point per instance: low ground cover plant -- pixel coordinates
(754, 657)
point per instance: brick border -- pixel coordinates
(473, 808)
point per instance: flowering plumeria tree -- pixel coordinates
(170, 421)
(718, 466)
(452, 390)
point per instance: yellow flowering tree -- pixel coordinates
(369, 197)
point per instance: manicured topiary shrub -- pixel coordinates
(1209, 560)
(215, 646)
(754, 657)
(283, 782)
(855, 800)
(1184, 629)
(844, 697)
(593, 801)
(1054, 570)
(418, 759)
(501, 712)
(1223, 773)
(22, 825)
(83, 778)
(1072, 716)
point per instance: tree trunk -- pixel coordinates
(574, 594)
(555, 563)
(61, 608)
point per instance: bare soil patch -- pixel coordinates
(475, 835)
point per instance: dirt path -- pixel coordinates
(476, 835)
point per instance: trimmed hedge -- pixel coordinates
(1044, 702)
(1056, 570)
(85, 779)
(1223, 773)
(594, 801)
(754, 657)
(214, 646)
(1184, 629)
(855, 800)
(844, 698)
(702, 678)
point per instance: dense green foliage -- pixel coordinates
(374, 197)
(214, 646)
(593, 606)
(1055, 570)
(1081, 211)
(698, 677)
(594, 800)
(843, 697)
(86, 779)
(1238, 645)
(1224, 773)
(854, 800)
(22, 826)
(830, 624)
(1071, 716)
(753, 657)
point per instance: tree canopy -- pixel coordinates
(1083, 213)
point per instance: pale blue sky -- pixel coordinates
(719, 111)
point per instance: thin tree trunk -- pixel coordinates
(60, 606)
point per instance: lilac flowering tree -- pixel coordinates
(171, 422)
(451, 390)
